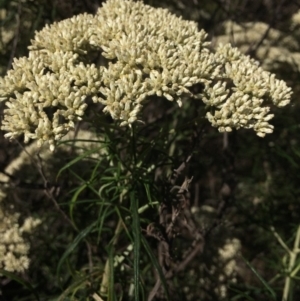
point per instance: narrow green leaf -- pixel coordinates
(74, 244)
(148, 194)
(296, 151)
(73, 202)
(266, 285)
(21, 281)
(156, 265)
(77, 159)
(111, 283)
(136, 244)
(285, 155)
(78, 284)
(241, 295)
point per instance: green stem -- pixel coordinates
(107, 269)
(293, 257)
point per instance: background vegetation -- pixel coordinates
(120, 221)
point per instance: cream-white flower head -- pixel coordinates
(148, 51)
(14, 247)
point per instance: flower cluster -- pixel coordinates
(239, 102)
(14, 247)
(227, 259)
(296, 19)
(32, 90)
(14, 244)
(119, 58)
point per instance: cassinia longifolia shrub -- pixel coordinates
(148, 51)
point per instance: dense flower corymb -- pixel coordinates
(125, 53)
(14, 248)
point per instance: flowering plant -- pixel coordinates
(119, 58)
